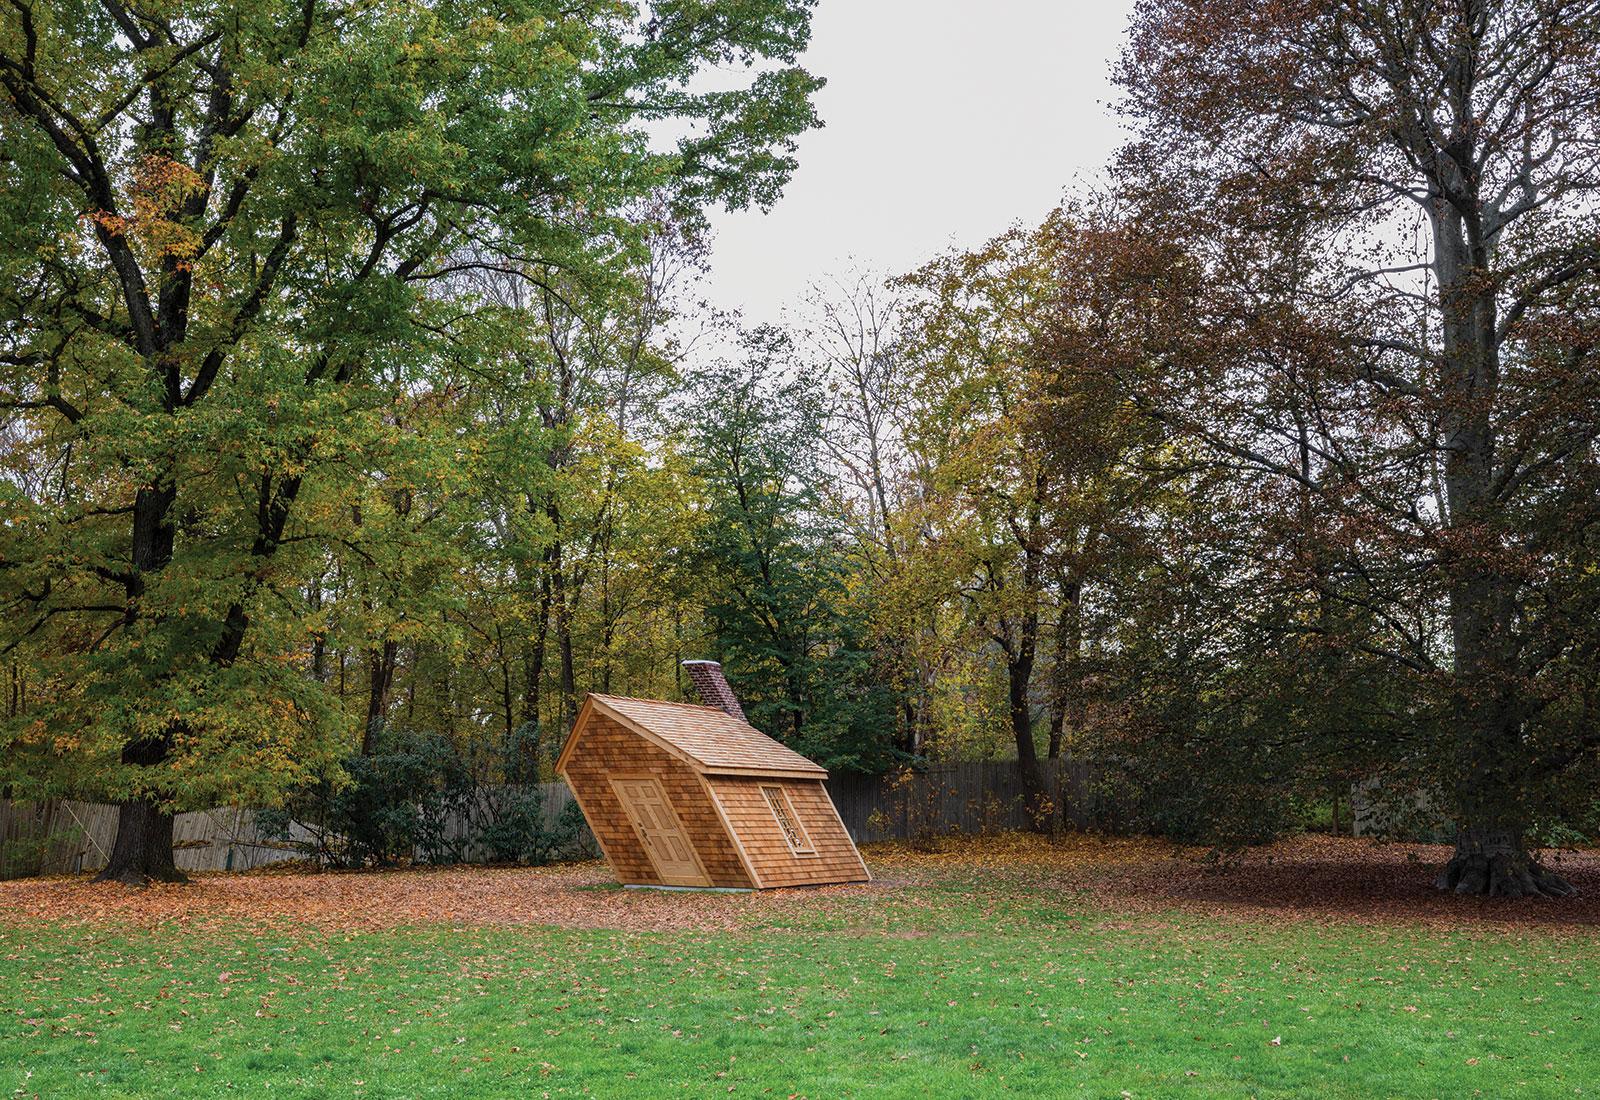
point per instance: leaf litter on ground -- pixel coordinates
(1133, 883)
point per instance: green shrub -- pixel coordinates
(424, 797)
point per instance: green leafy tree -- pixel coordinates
(219, 227)
(773, 566)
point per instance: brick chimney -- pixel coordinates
(713, 688)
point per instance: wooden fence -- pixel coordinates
(972, 798)
(61, 836)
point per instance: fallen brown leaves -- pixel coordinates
(569, 896)
(1305, 880)
(1309, 879)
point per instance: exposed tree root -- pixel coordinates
(1498, 865)
(133, 876)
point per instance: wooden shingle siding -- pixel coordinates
(609, 748)
(836, 858)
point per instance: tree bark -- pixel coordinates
(1020, 652)
(569, 678)
(561, 600)
(380, 679)
(1069, 644)
(534, 652)
(1491, 856)
(142, 852)
(1037, 799)
(507, 695)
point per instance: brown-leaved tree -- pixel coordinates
(1394, 203)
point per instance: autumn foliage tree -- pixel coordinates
(1393, 204)
(1025, 451)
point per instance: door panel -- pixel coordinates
(660, 831)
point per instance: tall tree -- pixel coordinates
(974, 336)
(1024, 441)
(565, 456)
(851, 340)
(1394, 202)
(208, 246)
(773, 566)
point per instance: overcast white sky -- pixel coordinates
(945, 123)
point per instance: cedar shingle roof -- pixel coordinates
(715, 741)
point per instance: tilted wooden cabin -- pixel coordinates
(686, 795)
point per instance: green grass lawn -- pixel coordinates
(961, 994)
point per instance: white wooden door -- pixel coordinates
(659, 829)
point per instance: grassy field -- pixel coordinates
(947, 978)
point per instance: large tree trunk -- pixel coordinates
(142, 852)
(1498, 863)
(1491, 855)
(1019, 674)
(1036, 798)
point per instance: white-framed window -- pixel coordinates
(788, 822)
